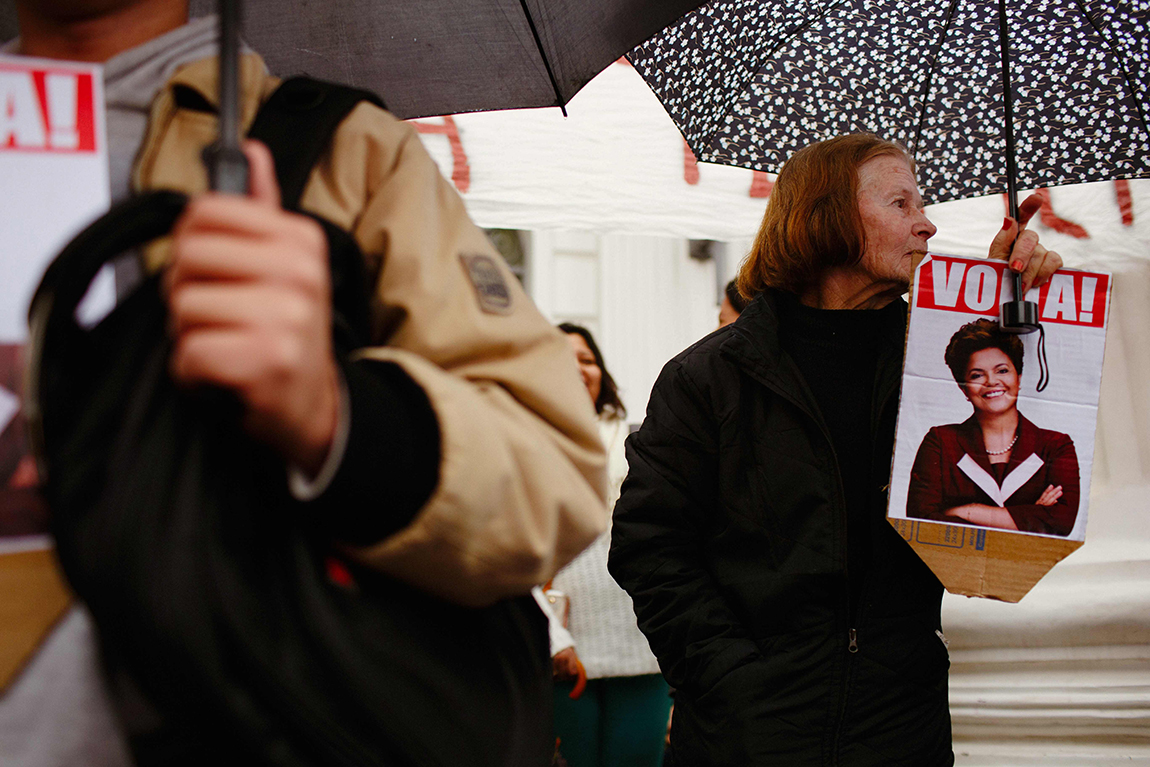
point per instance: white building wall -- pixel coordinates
(643, 298)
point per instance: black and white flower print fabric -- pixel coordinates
(749, 82)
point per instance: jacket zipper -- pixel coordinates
(852, 618)
(852, 634)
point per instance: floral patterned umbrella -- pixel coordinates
(751, 81)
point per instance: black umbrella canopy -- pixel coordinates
(749, 82)
(435, 57)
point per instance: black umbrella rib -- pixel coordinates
(950, 13)
(543, 55)
(1121, 65)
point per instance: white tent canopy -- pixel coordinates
(617, 164)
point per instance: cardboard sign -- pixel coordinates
(54, 181)
(991, 477)
(53, 171)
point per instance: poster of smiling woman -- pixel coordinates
(996, 429)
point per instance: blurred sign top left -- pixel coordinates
(53, 182)
(53, 171)
(47, 109)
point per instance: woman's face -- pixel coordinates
(894, 223)
(991, 382)
(588, 368)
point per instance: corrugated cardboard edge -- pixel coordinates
(33, 598)
(977, 562)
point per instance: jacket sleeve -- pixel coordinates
(519, 487)
(1058, 518)
(658, 531)
(924, 494)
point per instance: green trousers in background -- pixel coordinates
(618, 721)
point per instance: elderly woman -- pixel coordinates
(796, 625)
(995, 469)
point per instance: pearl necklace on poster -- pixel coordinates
(1006, 449)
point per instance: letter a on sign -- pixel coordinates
(21, 122)
(1060, 303)
(46, 106)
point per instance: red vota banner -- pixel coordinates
(975, 286)
(46, 110)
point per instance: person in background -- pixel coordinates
(620, 718)
(452, 454)
(731, 305)
(797, 627)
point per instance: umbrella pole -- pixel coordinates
(1019, 315)
(1008, 110)
(227, 166)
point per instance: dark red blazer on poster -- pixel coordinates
(953, 469)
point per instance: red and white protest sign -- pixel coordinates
(49, 108)
(53, 171)
(977, 286)
(969, 389)
(53, 181)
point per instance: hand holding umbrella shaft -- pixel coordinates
(249, 294)
(1020, 247)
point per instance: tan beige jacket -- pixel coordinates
(521, 478)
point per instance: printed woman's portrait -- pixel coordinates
(996, 469)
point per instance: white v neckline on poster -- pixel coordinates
(1010, 483)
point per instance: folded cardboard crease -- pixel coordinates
(976, 562)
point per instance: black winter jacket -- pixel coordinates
(730, 535)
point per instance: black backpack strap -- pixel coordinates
(297, 123)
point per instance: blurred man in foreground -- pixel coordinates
(456, 455)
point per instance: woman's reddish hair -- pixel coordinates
(812, 222)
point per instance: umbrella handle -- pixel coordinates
(1019, 316)
(227, 166)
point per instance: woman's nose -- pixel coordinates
(924, 228)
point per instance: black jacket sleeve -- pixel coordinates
(390, 465)
(668, 502)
